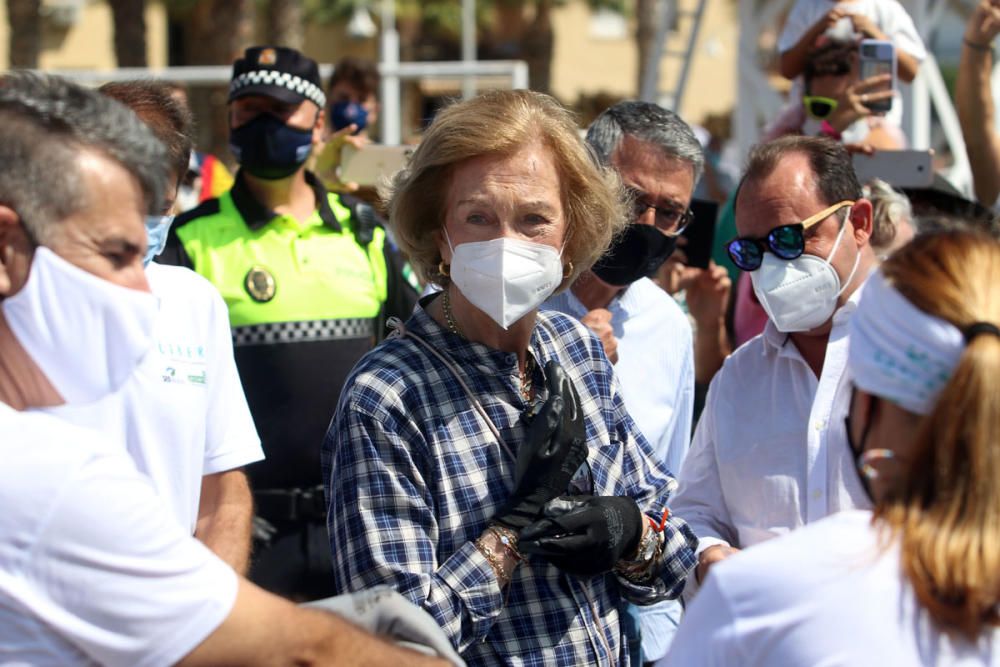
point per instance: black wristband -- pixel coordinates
(985, 48)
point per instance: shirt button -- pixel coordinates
(817, 494)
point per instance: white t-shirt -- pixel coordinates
(828, 594)
(890, 17)
(93, 568)
(183, 414)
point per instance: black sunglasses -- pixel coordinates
(786, 241)
(670, 220)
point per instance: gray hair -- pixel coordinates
(890, 210)
(45, 123)
(647, 122)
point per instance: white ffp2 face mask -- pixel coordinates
(505, 278)
(800, 294)
(87, 335)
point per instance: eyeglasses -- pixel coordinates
(786, 241)
(670, 220)
(818, 107)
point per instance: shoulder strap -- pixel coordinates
(364, 219)
(399, 330)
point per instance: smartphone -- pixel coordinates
(368, 166)
(900, 169)
(700, 234)
(877, 57)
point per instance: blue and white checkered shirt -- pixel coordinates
(414, 475)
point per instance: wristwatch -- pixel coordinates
(647, 547)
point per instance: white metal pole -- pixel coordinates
(468, 45)
(651, 75)
(391, 107)
(745, 121)
(916, 97)
(519, 76)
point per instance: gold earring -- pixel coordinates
(444, 269)
(568, 269)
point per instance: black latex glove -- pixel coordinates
(556, 446)
(585, 535)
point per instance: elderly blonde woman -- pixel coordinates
(481, 462)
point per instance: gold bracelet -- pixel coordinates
(493, 560)
(508, 538)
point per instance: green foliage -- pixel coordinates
(441, 15)
(949, 72)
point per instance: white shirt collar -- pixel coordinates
(777, 340)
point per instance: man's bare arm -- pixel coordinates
(225, 513)
(974, 100)
(264, 630)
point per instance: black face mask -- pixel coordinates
(270, 149)
(636, 254)
(858, 449)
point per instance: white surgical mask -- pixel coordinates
(505, 278)
(87, 335)
(800, 294)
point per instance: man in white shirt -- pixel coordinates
(93, 567)
(645, 333)
(770, 453)
(183, 416)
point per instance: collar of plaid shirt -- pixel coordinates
(408, 448)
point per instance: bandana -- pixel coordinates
(898, 351)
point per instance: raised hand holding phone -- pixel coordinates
(878, 59)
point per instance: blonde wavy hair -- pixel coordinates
(500, 123)
(946, 513)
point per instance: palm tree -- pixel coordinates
(129, 17)
(285, 25)
(24, 19)
(216, 33)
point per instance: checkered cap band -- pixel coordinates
(310, 330)
(271, 77)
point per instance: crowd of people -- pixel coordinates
(500, 417)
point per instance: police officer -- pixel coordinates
(309, 280)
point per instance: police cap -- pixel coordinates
(278, 72)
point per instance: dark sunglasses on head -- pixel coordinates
(819, 107)
(786, 241)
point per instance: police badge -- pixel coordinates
(260, 284)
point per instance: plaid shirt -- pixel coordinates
(414, 476)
